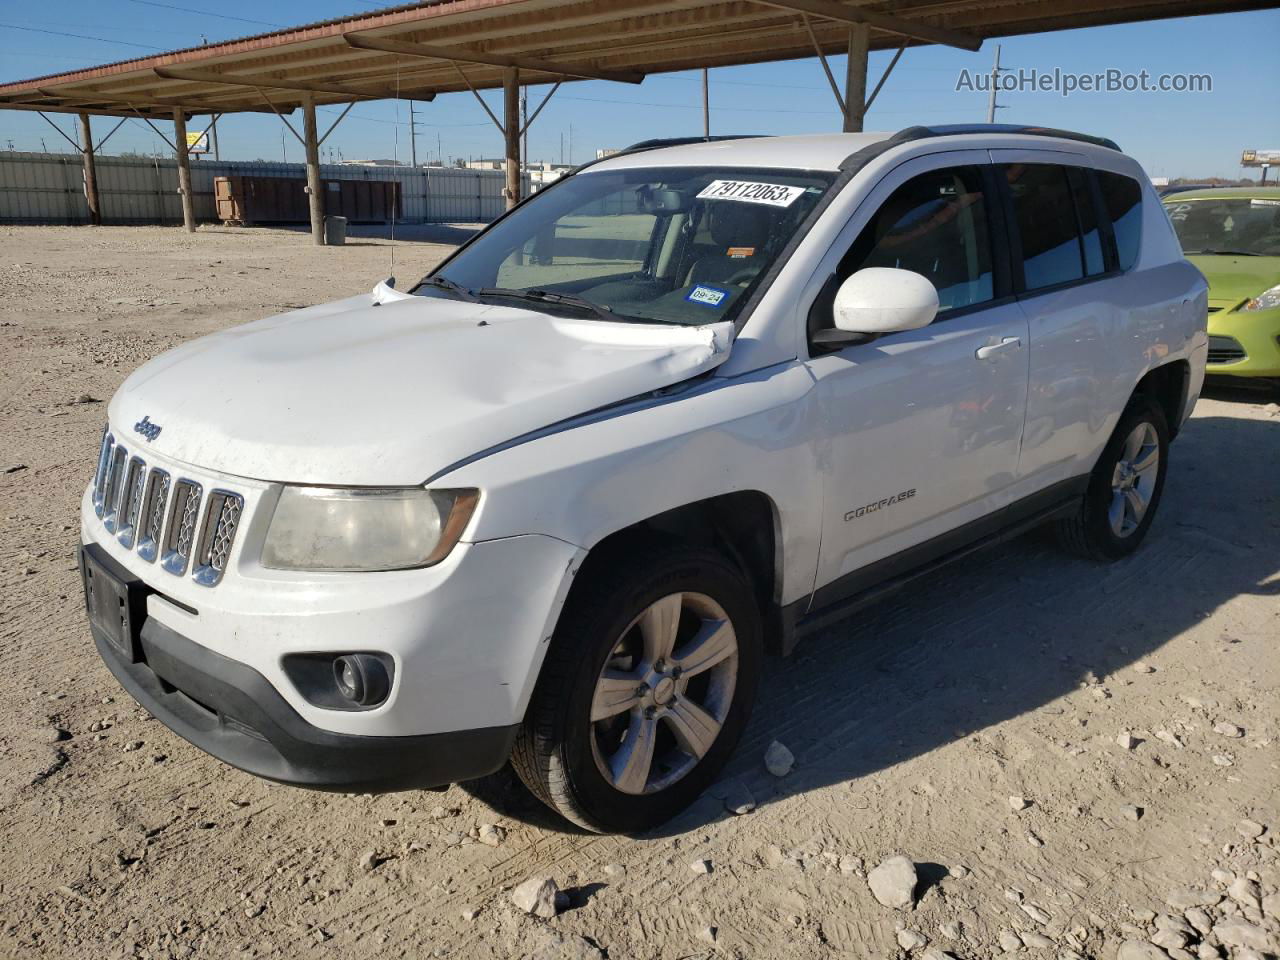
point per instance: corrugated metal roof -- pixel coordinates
(420, 49)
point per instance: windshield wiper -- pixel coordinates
(444, 283)
(548, 296)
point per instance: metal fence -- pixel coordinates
(49, 188)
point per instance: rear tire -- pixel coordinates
(645, 691)
(1124, 489)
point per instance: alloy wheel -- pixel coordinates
(664, 693)
(1133, 480)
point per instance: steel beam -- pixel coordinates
(843, 13)
(315, 198)
(274, 83)
(855, 78)
(463, 55)
(184, 170)
(511, 132)
(63, 108)
(90, 171)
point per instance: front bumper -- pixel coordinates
(231, 711)
(1258, 335)
(466, 636)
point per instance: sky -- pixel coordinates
(1171, 134)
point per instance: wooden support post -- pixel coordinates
(90, 171)
(855, 78)
(184, 169)
(511, 132)
(315, 196)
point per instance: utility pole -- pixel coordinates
(706, 107)
(524, 125)
(992, 106)
(412, 137)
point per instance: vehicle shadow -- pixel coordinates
(1006, 632)
(452, 234)
(1241, 390)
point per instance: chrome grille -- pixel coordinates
(183, 513)
(111, 491)
(131, 502)
(163, 518)
(154, 500)
(222, 518)
(1225, 350)
(100, 473)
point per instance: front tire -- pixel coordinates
(1125, 487)
(645, 691)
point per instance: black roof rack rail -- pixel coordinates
(906, 135)
(658, 143)
(959, 129)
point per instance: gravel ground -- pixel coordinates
(1066, 760)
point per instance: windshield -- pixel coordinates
(667, 244)
(1230, 225)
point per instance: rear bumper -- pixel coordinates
(231, 711)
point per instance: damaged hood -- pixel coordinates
(388, 395)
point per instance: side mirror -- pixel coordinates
(879, 300)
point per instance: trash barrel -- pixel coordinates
(335, 231)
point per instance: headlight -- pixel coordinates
(1265, 300)
(326, 528)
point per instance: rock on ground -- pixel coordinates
(893, 883)
(536, 896)
(778, 760)
(1140, 950)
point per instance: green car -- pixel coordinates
(1233, 235)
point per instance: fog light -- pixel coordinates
(361, 678)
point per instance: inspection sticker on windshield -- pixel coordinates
(707, 296)
(774, 194)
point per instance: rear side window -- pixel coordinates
(1087, 214)
(1044, 210)
(936, 225)
(1122, 197)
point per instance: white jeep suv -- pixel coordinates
(555, 503)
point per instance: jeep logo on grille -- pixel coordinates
(147, 428)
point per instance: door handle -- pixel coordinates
(994, 350)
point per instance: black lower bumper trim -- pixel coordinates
(231, 711)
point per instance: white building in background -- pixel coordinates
(372, 163)
(540, 172)
(543, 173)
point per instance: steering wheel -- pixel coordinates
(743, 276)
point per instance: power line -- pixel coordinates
(78, 36)
(207, 13)
(400, 123)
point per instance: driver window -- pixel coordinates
(935, 224)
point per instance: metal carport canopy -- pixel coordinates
(419, 50)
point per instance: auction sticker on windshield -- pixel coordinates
(746, 191)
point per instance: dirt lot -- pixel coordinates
(915, 727)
